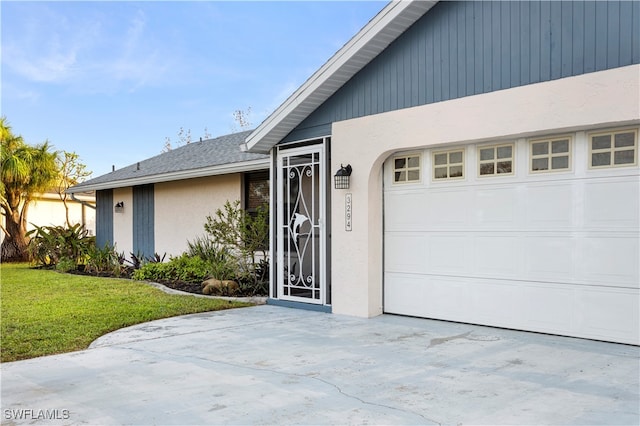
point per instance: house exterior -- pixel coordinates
(159, 204)
(47, 209)
(495, 175)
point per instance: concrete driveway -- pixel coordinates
(272, 365)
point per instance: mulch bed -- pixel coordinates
(195, 288)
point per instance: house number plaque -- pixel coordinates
(348, 212)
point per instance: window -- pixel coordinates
(550, 154)
(406, 169)
(495, 160)
(613, 149)
(256, 186)
(256, 195)
(448, 165)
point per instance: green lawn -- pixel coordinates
(45, 312)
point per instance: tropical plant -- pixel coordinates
(222, 265)
(104, 261)
(204, 247)
(139, 259)
(25, 171)
(50, 244)
(66, 265)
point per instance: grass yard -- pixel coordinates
(45, 312)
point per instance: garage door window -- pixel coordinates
(406, 169)
(550, 155)
(448, 165)
(496, 160)
(613, 149)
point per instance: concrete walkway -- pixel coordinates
(271, 365)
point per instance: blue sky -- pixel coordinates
(112, 80)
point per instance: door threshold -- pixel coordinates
(299, 305)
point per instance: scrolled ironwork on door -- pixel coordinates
(301, 226)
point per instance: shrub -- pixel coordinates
(65, 265)
(150, 272)
(234, 248)
(238, 231)
(104, 261)
(205, 248)
(183, 268)
(222, 265)
(50, 244)
(258, 283)
(138, 259)
(244, 236)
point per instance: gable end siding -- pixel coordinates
(143, 220)
(465, 48)
(104, 217)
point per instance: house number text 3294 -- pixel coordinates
(348, 212)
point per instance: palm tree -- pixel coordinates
(25, 171)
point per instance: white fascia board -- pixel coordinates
(362, 43)
(55, 197)
(246, 166)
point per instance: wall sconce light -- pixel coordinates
(341, 179)
(119, 207)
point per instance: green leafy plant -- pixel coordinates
(222, 265)
(243, 236)
(204, 247)
(65, 265)
(138, 259)
(150, 272)
(25, 171)
(104, 261)
(182, 268)
(50, 244)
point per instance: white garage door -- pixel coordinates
(540, 235)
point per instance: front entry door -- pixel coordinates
(301, 235)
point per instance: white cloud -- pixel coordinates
(87, 51)
(41, 52)
(19, 94)
(136, 59)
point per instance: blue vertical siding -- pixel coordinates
(633, 30)
(578, 36)
(626, 35)
(589, 57)
(143, 220)
(104, 217)
(464, 48)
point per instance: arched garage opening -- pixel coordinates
(484, 233)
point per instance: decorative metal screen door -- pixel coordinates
(300, 222)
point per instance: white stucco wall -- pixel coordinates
(48, 210)
(123, 222)
(181, 208)
(596, 100)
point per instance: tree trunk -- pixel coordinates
(14, 245)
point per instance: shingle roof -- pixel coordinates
(203, 158)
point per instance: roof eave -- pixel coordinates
(368, 43)
(245, 166)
